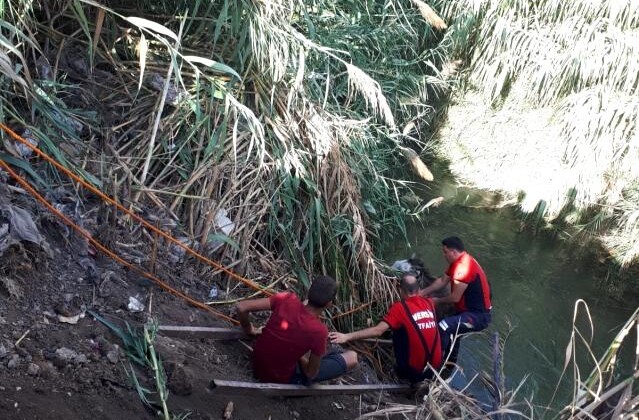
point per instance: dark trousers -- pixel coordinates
(452, 327)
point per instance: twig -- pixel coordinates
(156, 125)
(22, 337)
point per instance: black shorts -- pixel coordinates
(332, 366)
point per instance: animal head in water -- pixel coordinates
(414, 266)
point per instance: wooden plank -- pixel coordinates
(216, 333)
(285, 390)
(210, 333)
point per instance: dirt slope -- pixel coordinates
(51, 369)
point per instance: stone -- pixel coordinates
(13, 362)
(64, 356)
(33, 369)
(114, 355)
(81, 359)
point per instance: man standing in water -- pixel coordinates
(415, 337)
(291, 348)
(469, 292)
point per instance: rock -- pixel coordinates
(114, 355)
(295, 414)
(81, 359)
(13, 362)
(3, 351)
(33, 369)
(64, 356)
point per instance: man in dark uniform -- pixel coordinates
(469, 292)
(415, 337)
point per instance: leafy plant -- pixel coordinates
(139, 349)
(286, 116)
(549, 106)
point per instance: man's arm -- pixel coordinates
(376, 331)
(245, 307)
(435, 286)
(310, 365)
(460, 288)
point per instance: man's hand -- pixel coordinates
(255, 331)
(338, 338)
(245, 307)
(439, 283)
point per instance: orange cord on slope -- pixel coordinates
(108, 252)
(148, 225)
(357, 309)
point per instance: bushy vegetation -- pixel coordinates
(551, 110)
(272, 131)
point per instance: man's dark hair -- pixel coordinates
(453, 242)
(409, 286)
(322, 291)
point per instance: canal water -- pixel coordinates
(536, 280)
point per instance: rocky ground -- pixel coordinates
(57, 361)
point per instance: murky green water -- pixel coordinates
(536, 281)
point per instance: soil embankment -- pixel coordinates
(56, 363)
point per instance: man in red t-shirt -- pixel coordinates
(469, 292)
(415, 337)
(291, 348)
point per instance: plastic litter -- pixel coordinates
(22, 149)
(402, 265)
(135, 305)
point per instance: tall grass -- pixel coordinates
(550, 107)
(271, 132)
(607, 391)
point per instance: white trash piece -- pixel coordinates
(135, 305)
(223, 223)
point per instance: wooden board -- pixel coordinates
(210, 333)
(216, 333)
(284, 390)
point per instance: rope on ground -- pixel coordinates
(108, 252)
(119, 206)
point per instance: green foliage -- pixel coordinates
(139, 349)
(284, 115)
(563, 75)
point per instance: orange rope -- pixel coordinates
(357, 309)
(108, 252)
(148, 225)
